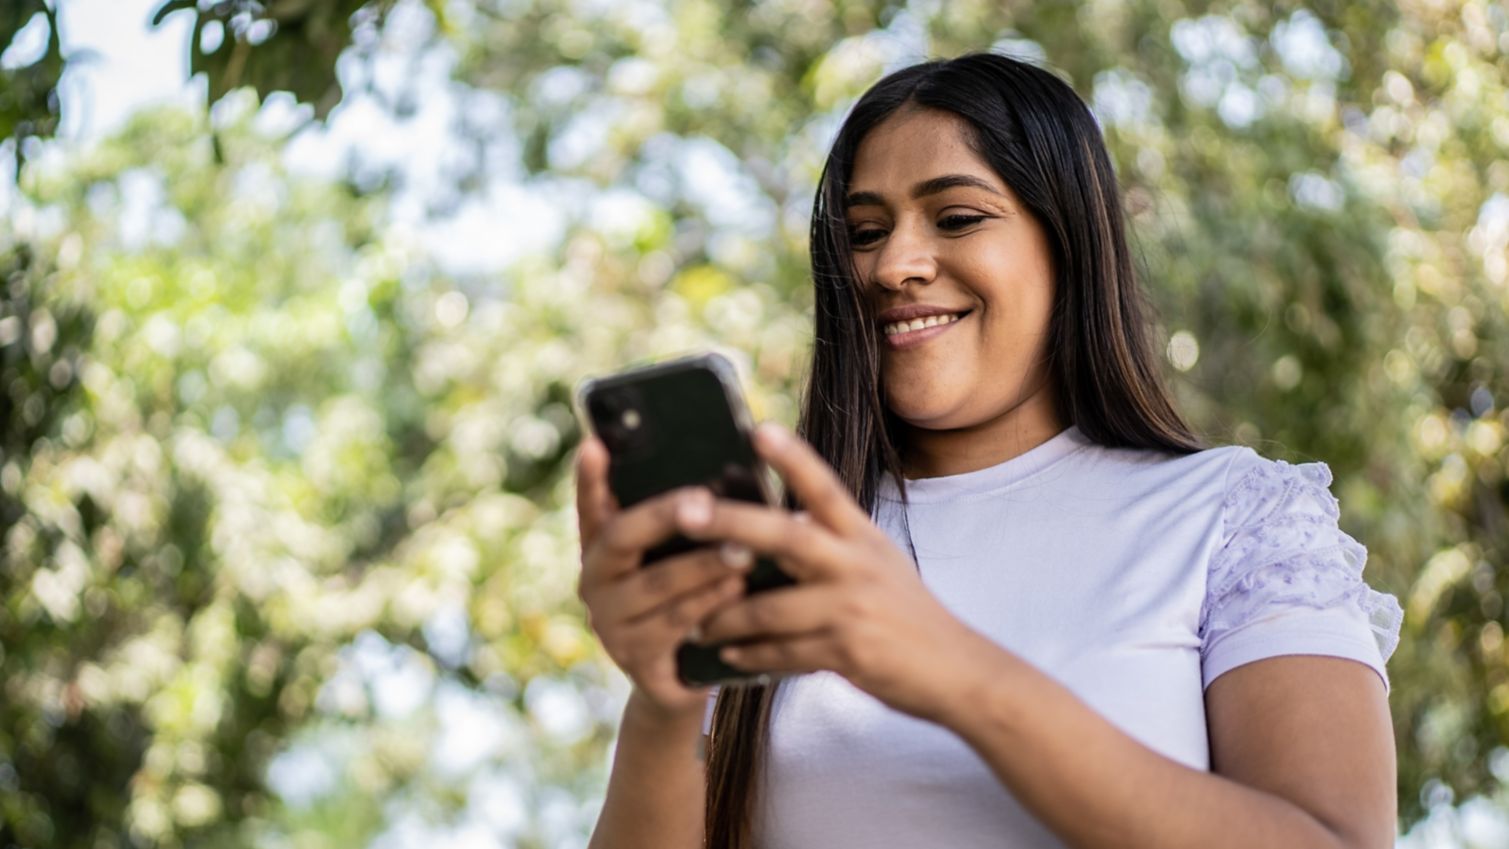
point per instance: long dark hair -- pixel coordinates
(1037, 134)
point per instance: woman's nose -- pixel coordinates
(904, 257)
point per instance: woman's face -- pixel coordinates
(932, 224)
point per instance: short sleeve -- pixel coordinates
(1286, 579)
(707, 715)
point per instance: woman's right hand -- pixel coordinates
(641, 614)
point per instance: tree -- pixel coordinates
(269, 45)
(261, 451)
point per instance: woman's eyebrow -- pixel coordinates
(863, 199)
(925, 188)
(950, 181)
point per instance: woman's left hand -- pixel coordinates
(859, 607)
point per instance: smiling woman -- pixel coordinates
(953, 243)
(1031, 608)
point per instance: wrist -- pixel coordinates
(647, 717)
(987, 672)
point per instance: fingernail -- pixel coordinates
(695, 508)
(773, 434)
(735, 556)
(695, 635)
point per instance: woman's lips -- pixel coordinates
(913, 338)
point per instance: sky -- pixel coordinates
(130, 64)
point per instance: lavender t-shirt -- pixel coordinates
(1133, 578)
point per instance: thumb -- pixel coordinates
(594, 501)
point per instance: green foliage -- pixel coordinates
(256, 446)
(285, 45)
(270, 45)
(29, 93)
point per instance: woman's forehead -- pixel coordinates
(913, 147)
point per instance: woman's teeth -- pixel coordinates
(918, 323)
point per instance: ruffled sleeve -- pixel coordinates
(1287, 579)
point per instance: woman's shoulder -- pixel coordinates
(1204, 475)
(1285, 561)
(1261, 489)
(1245, 483)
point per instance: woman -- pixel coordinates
(1032, 610)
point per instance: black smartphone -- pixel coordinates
(678, 423)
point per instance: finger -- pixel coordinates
(672, 622)
(655, 585)
(594, 502)
(621, 544)
(803, 653)
(810, 478)
(813, 551)
(783, 612)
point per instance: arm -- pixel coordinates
(656, 791)
(1302, 747)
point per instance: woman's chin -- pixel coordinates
(932, 413)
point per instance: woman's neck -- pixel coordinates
(930, 453)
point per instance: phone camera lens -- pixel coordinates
(621, 421)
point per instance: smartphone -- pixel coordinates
(678, 423)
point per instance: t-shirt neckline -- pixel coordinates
(990, 478)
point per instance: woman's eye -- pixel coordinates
(859, 238)
(959, 222)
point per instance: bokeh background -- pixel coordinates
(294, 294)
